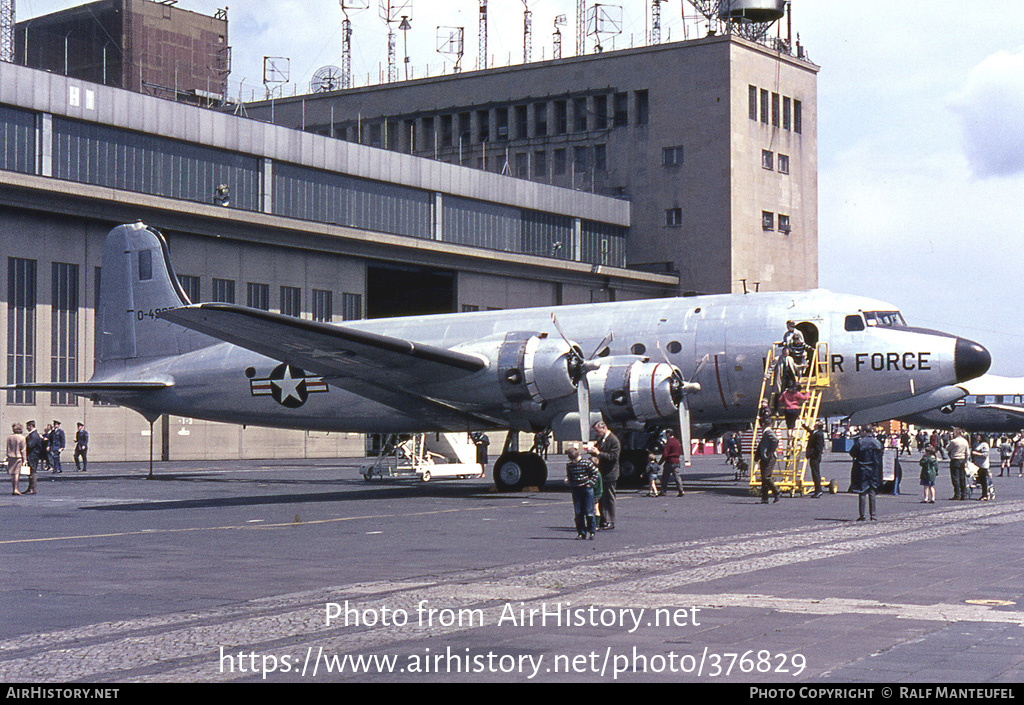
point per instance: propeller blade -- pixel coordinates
(561, 332)
(700, 366)
(583, 402)
(684, 431)
(602, 345)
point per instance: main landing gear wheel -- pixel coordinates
(631, 468)
(514, 471)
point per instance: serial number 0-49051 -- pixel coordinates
(151, 313)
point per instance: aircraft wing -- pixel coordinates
(378, 367)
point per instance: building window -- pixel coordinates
(767, 159)
(784, 224)
(540, 119)
(191, 286)
(621, 116)
(257, 296)
(21, 327)
(767, 220)
(783, 164)
(787, 112)
(672, 156)
(540, 163)
(673, 217)
(351, 307)
(764, 106)
(775, 109)
(501, 115)
(643, 108)
(522, 122)
(224, 290)
(581, 160)
(579, 109)
(798, 121)
(561, 117)
(483, 124)
(752, 102)
(600, 112)
(600, 157)
(323, 305)
(522, 165)
(561, 161)
(291, 301)
(447, 129)
(469, 308)
(64, 330)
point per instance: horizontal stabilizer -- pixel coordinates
(86, 388)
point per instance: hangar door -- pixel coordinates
(402, 290)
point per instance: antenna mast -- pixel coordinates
(6, 30)
(581, 27)
(346, 38)
(527, 32)
(656, 21)
(390, 12)
(481, 53)
(556, 38)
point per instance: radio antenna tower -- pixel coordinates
(348, 6)
(527, 32)
(481, 52)
(7, 30)
(581, 27)
(556, 38)
(391, 11)
(656, 21)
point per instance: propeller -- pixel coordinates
(680, 387)
(579, 366)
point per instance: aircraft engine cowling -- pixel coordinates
(536, 368)
(636, 390)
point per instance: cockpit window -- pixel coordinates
(885, 319)
(854, 322)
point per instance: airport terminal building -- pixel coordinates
(713, 141)
(267, 216)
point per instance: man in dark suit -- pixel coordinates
(606, 454)
(35, 450)
(57, 442)
(866, 476)
(81, 448)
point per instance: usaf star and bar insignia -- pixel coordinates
(290, 386)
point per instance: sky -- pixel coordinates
(920, 128)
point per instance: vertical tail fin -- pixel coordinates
(136, 282)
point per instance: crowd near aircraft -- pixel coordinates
(636, 364)
(993, 404)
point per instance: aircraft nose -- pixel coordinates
(970, 360)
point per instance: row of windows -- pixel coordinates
(107, 156)
(573, 114)
(768, 222)
(778, 110)
(772, 161)
(257, 295)
(21, 327)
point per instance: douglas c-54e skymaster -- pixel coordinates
(636, 364)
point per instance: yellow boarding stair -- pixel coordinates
(792, 465)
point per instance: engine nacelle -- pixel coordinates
(628, 389)
(525, 368)
(536, 369)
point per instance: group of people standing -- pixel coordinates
(27, 447)
(592, 473)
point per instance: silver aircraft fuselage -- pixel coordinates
(873, 360)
